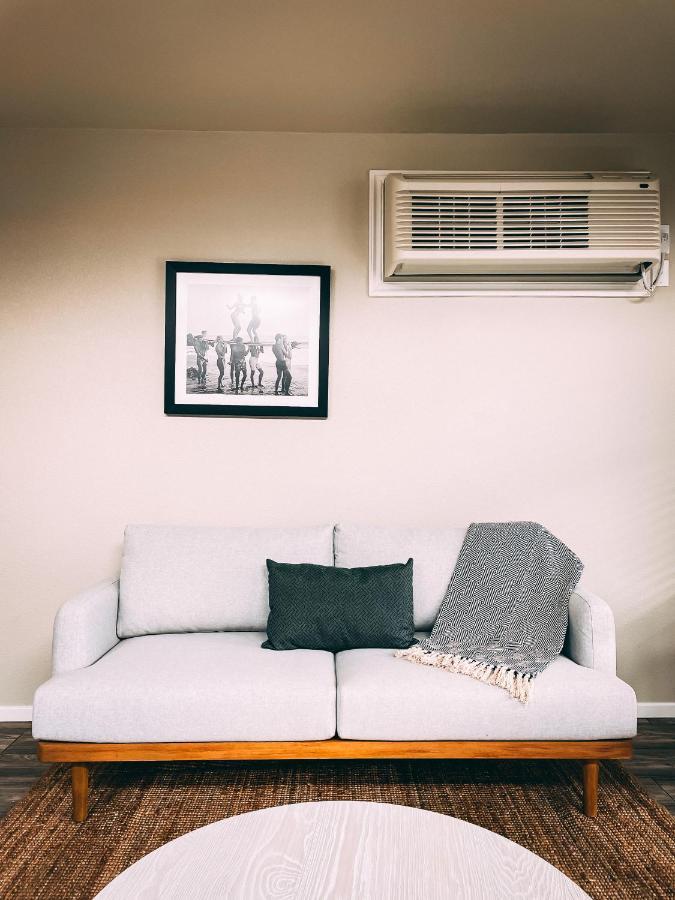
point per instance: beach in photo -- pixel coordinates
(267, 363)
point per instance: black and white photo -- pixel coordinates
(246, 339)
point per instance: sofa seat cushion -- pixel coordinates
(380, 697)
(191, 687)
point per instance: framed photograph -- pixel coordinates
(246, 340)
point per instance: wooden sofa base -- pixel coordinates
(81, 754)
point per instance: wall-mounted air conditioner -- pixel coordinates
(506, 233)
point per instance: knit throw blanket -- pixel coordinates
(504, 615)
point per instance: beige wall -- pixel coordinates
(440, 411)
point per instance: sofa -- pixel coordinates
(165, 663)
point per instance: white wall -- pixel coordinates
(440, 411)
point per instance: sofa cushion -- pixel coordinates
(191, 687)
(381, 697)
(434, 551)
(178, 579)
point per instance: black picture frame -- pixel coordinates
(221, 406)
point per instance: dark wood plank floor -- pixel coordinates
(653, 763)
(19, 766)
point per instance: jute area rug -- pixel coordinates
(627, 852)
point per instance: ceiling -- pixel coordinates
(314, 65)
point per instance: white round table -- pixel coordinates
(341, 850)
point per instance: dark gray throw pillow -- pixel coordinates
(330, 608)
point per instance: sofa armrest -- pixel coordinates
(591, 638)
(85, 627)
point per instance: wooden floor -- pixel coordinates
(653, 763)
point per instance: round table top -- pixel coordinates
(341, 850)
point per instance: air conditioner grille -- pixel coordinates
(550, 221)
(447, 222)
(525, 221)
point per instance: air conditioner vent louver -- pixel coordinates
(548, 221)
(447, 222)
(532, 225)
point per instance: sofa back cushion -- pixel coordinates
(434, 552)
(177, 578)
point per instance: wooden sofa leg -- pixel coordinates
(79, 775)
(591, 775)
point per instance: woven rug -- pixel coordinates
(627, 852)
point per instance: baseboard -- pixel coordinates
(645, 711)
(656, 710)
(16, 713)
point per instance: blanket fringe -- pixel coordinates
(517, 684)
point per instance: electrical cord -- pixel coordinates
(650, 285)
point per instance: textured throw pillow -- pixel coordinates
(328, 608)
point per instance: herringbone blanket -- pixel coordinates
(504, 615)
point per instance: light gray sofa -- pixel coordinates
(166, 663)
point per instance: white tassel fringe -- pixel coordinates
(517, 684)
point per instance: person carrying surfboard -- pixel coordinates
(201, 347)
(221, 352)
(256, 349)
(238, 357)
(280, 356)
(288, 358)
